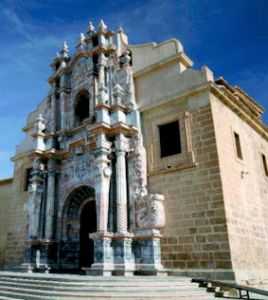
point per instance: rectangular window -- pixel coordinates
(238, 146)
(27, 181)
(265, 166)
(170, 139)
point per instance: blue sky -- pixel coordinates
(231, 37)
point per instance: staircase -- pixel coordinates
(74, 287)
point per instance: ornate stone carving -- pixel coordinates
(34, 201)
(123, 81)
(107, 172)
(150, 212)
(78, 167)
(139, 171)
(82, 69)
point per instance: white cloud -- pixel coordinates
(17, 24)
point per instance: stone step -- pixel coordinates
(21, 286)
(9, 298)
(84, 278)
(103, 283)
(85, 292)
(100, 287)
(30, 296)
(17, 296)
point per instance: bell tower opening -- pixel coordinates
(88, 224)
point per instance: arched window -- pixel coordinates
(81, 109)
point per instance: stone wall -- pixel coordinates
(195, 236)
(16, 228)
(5, 199)
(245, 193)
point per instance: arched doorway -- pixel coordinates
(88, 224)
(78, 220)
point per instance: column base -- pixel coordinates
(124, 262)
(99, 270)
(123, 272)
(40, 256)
(148, 254)
(103, 255)
(150, 270)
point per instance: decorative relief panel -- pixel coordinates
(77, 168)
(82, 69)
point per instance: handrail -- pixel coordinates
(216, 287)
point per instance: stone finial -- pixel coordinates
(102, 26)
(64, 53)
(81, 42)
(90, 28)
(125, 58)
(82, 38)
(40, 124)
(120, 29)
(65, 46)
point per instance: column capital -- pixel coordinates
(51, 165)
(121, 144)
(102, 143)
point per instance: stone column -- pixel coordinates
(121, 184)
(63, 96)
(102, 182)
(50, 201)
(103, 258)
(33, 212)
(35, 198)
(102, 90)
(123, 256)
(53, 111)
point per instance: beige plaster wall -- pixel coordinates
(145, 55)
(166, 83)
(195, 236)
(6, 195)
(245, 193)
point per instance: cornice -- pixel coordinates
(181, 57)
(245, 114)
(177, 96)
(230, 101)
(22, 155)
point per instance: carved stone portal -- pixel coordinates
(94, 150)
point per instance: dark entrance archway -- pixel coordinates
(78, 220)
(88, 224)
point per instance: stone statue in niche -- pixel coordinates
(123, 78)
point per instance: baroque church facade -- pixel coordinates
(136, 163)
